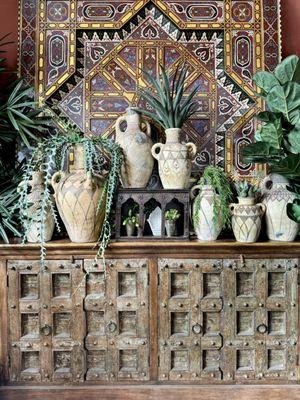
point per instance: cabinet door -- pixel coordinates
(46, 321)
(190, 313)
(261, 299)
(118, 344)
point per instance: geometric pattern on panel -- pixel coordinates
(190, 326)
(90, 56)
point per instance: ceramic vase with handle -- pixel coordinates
(174, 160)
(34, 197)
(276, 196)
(246, 219)
(205, 227)
(136, 145)
(77, 194)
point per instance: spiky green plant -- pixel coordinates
(172, 215)
(167, 98)
(246, 189)
(132, 218)
(217, 178)
(102, 157)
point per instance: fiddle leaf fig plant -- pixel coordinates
(277, 141)
(172, 108)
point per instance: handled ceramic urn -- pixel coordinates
(136, 145)
(34, 197)
(246, 219)
(174, 160)
(77, 194)
(276, 196)
(206, 228)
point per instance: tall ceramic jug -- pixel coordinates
(77, 194)
(136, 145)
(174, 160)
(276, 196)
(34, 197)
(203, 214)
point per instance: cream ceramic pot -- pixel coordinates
(205, 227)
(246, 219)
(77, 194)
(174, 160)
(136, 145)
(276, 196)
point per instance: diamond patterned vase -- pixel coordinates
(276, 196)
(77, 194)
(174, 160)
(136, 145)
(205, 227)
(34, 197)
(246, 219)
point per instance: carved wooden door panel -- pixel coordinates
(261, 299)
(190, 313)
(46, 321)
(117, 341)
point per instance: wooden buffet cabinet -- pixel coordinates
(163, 320)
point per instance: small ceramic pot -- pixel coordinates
(170, 228)
(130, 229)
(246, 219)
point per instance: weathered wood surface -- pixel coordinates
(212, 392)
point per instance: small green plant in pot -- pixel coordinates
(86, 178)
(171, 216)
(172, 107)
(246, 215)
(211, 211)
(131, 222)
(277, 143)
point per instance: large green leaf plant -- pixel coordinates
(277, 141)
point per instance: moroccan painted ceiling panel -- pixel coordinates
(86, 59)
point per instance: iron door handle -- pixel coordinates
(262, 328)
(46, 330)
(112, 327)
(197, 328)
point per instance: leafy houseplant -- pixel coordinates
(278, 139)
(278, 144)
(246, 190)
(131, 222)
(102, 158)
(171, 216)
(211, 206)
(171, 109)
(20, 122)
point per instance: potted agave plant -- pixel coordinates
(211, 206)
(171, 110)
(131, 222)
(171, 216)
(83, 190)
(246, 215)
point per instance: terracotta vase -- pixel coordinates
(136, 145)
(174, 160)
(77, 194)
(205, 227)
(246, 219)
(276, 196)
(34, 197)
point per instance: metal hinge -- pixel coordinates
(297, 360)
(158, 279)
(158, 360)
(7, 281)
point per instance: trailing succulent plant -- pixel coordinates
(278, 139)
(172, 214)
(246, 189)
(217, 178)
(167, 98)
(102, 157)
